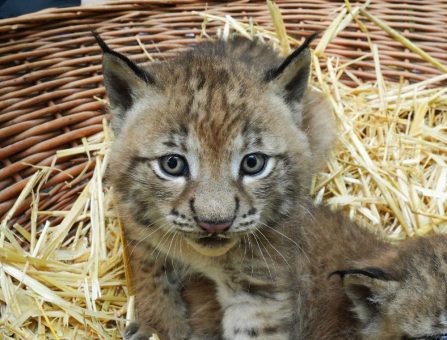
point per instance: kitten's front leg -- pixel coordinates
(255, 315)
(157, 283)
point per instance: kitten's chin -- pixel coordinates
(212, 248)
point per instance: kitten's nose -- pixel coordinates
(215, 227)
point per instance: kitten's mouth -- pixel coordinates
(213, 241)
(212, 244)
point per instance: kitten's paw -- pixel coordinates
(135, 332)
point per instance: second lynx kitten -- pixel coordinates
(211, 166)
(386, 292)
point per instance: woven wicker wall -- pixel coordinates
(50, 69)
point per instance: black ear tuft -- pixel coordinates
(137, 70)
(292, 75)
(372, 272)
(101, 43)
(272, 74)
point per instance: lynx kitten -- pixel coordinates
(401, 293)
(211, 167)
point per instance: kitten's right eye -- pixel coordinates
(174, 165)
(253, 164)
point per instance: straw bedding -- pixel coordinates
(67, 278)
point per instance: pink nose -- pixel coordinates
(214, 227)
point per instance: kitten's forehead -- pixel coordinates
(216, 114)
(213, 106)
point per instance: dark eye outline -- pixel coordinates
(249, 172)
(182, 171)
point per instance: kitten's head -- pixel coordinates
(215, 143)
(403, 294)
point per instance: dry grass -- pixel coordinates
(69, 281)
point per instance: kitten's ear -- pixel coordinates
(292, 75)
(316, 120)
(367, 289)
(124, 82)
(310, 110)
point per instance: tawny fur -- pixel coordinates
(213, 106)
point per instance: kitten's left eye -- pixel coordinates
(174, 165)
(253, 164)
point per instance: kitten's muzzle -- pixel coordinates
(215, 227)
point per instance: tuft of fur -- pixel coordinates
(213, 106)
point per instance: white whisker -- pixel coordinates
(263, 257)
(144, 229)
(288, 238)
(274, 248)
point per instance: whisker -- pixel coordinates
(274, 248)
(263, 257)
(280, 233)
(288, 238)
(170, 245)
(245, 249)
(147, 236)
(157, 247)
(303, 207)
(251, 248)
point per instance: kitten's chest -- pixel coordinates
(255, 307)
(252, 270)
(238, 282)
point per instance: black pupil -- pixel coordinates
(252, 161)
(172, 162)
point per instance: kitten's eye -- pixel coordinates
(253, 164)
(174, 165)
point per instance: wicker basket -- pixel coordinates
(50, 70)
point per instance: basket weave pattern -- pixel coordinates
(50, 70)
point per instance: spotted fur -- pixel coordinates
(214, 105)
(266, 277)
